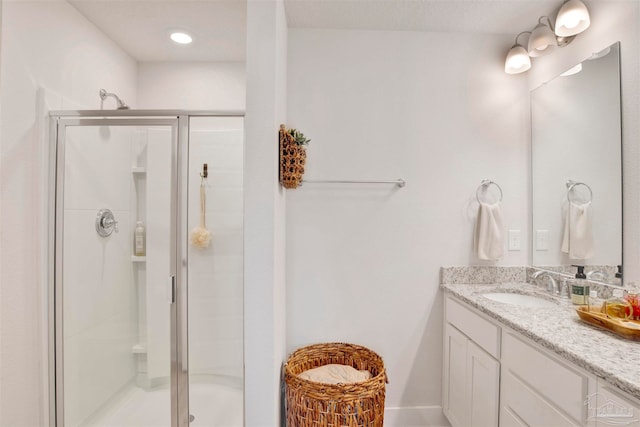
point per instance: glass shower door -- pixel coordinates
(116, 357)
(215, 270)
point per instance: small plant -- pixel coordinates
(298, 137)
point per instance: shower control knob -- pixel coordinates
(106, 223)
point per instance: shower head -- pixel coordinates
(121, 104)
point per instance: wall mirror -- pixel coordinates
(576, 168)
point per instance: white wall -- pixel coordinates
(191, 85)
(612, 21)
(44, 44)
(363, 262)
(264, 279)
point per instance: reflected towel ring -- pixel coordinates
(571, 184)
(483, 185)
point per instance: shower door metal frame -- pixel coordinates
(178, 310)
(179, 120)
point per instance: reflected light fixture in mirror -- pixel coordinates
(518, 60)
(542, 40)
(573, 18)
(573, 70)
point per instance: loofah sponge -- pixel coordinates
(200, 236)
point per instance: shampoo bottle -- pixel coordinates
(139, 240)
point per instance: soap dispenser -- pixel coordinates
(579, 290)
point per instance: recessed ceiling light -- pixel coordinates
(181, 38)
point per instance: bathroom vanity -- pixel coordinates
(530, 364)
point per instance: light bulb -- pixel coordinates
(571, 20)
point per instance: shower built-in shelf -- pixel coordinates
(135, 258)
(138, 170)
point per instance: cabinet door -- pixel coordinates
(483, 385)
(455, 377)
(609, 408)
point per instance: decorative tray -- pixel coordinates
(629, 329)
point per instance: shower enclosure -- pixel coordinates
(151, 335)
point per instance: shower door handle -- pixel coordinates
(171, 290)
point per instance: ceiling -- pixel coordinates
(142, 27)
(218, 27)
(463, 16)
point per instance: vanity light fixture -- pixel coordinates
(573, 18)
(542, 40)
(518, 60)
(181, 38)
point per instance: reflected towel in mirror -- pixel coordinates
(489, 235)
(577, 238)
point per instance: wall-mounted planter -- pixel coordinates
(293, 157)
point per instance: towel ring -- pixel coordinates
(483, 185)
(571, 184)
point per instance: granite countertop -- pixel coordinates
(559, 329)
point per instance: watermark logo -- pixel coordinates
(608, 411)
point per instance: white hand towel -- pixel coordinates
(489, 236)
(335, 374)
(577, 239)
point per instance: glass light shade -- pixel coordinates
(518, 60)
(573, 18)
(542, 41)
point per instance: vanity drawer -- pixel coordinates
(520, 405)
(531, 372)
(477, 328)
(608, 408)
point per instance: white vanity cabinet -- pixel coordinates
(471, 373)
(538, 390)
(495, 376)
(611, 408)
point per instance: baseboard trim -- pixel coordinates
(415, 416)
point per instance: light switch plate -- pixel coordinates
(514, 240)
(542, 240)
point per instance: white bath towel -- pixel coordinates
(577, 239)
(335, 374)
(489, 235)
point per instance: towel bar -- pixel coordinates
(399, 182)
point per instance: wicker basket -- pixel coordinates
(311, 404)
(292, 160)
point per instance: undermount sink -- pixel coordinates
(520, 300)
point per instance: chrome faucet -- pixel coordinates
(552, 284)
